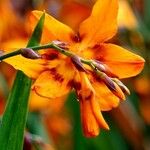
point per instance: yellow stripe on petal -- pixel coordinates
(53, 29)
(102, 23)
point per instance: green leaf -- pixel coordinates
(14, 118)
(35, 126)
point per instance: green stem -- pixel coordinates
(36, 48)
(57, 48)
(47, 46)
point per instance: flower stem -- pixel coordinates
(36, 48)
(55, 47)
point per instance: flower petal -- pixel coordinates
(122, 62)
(32, 68)
(38, 103)
(53, 29)
(55, 82)
(91, 116)
(89, 122)
(78, 16)
(102, 23)
(106, 99)
(98, 115)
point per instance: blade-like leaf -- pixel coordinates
(14, 118)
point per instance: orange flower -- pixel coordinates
(56, 75)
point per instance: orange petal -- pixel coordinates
(102, 23)
(98, 115)
(55, 82)
(32, 68)
(89, 122)
(38, 103)
(72, 7)
(91, 116)
(121, 61)
(106, 99)
(53, 29)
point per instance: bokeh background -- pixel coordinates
(55, 125)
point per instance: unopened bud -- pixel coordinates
(1, 53)
(122, 86)
(61, 44)
(103, 68)
(29, 53)
(108, 82)
(119, 93)
(27, 142)
(77, 62)
(115, 89)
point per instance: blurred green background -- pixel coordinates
(57, 125)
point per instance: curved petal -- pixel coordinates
(120, 61)
(106, 99)
(32, 68)
(38, 103)
(22, 63)
(53, 29)
(89, 122)
(78, 16)
(91, 116)
(55, 82)
(102, 23)
(98, 115)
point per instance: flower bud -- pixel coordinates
(60, 44)
(1, 53)
(29, 53)
(122, 86)
(103, 68)
(27, 142)
(77, 62)
(115, 89)
(108, 82)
